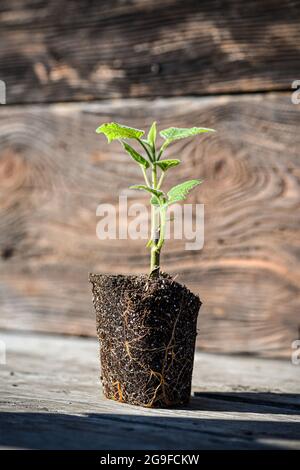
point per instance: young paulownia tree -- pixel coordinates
(147, 325)
(154, 168)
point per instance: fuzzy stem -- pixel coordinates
(154, 177)
(155, 232)
(163, 213)
(145, 176)
(162, 149)
(155, 259)
(161, 180)
(155, 250)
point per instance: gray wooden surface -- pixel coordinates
(50, 398)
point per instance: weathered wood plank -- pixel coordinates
(50, 398)
(54, 171)
(146, 48)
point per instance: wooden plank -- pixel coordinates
(54, 171)
(146, 48)
(50, 398)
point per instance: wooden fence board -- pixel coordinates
(64, 50)
(54, 171)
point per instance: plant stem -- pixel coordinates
(146, 149)
(162, 149)
(154, 177)
(155, 232)
(155, 258)
(161, 180)
(155, 250)
(145, 176)
(163, 213)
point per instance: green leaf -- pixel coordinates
(113, 131)
(155, 201)
(152, 135)
(156, 192)
(164, 165)
(180, 192)
(175, 133)
(135, 155)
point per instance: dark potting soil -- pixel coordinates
(147, 332)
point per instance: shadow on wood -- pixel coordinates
(112, 431)
(247, 402)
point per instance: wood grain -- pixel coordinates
(146, 48)
(50, 397)
(54, 171)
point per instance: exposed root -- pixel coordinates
(118, 395)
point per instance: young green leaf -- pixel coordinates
(152, 135)
(143, 187)
(135, 155)
(175, 133)
(155, 201)
(180, 192)
(113, 131)
(164, 165)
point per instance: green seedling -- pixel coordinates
(154, 168)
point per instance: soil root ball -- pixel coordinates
(147, 332)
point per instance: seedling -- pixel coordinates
(154, 169)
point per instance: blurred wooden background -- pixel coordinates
(71, 65)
